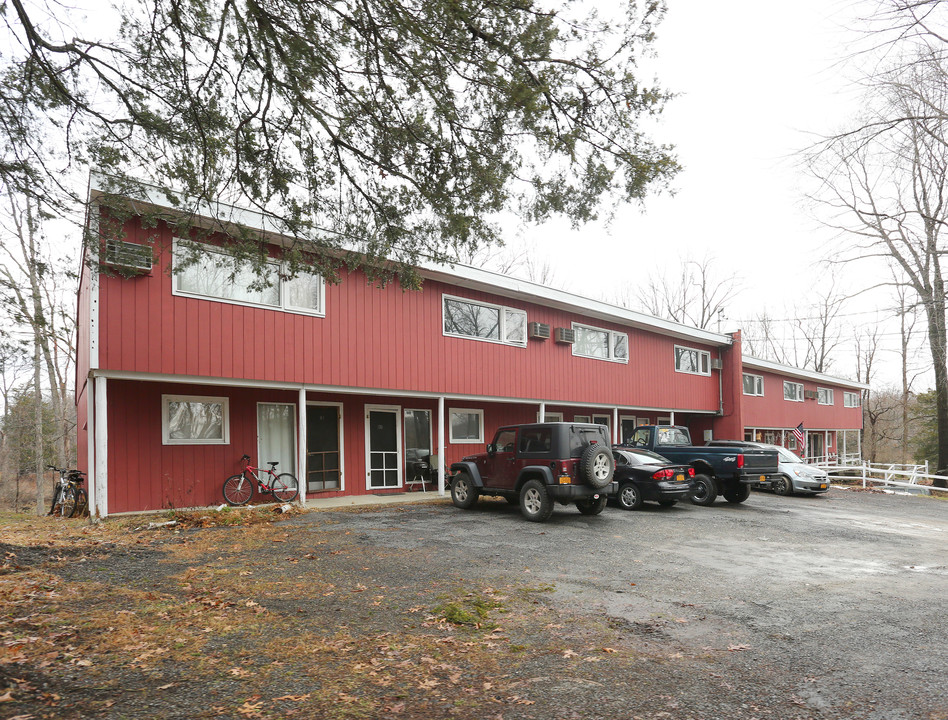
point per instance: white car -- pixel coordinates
(796, 475)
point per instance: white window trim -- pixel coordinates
(612, 336)
(581, 419)
(846, 399)
(799, 386)
(832, 396)
(282, 307)
(759, 383)
(551, 416)
(207, 399)
(466, 441)
(503, 322)
(707, 355)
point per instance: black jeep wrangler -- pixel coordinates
(539, 464)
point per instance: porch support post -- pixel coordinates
(542, 412)
(671, 417)
(301, 445)
(615, 425)
(441, 448)
(99, 485)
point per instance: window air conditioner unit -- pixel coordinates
(810, 394)
(716, 364)
(540, 331)
(565, 335)
(128, 256)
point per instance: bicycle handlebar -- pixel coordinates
(245, 457)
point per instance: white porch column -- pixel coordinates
(672, 417)
(542, 412)
(441, 448)
(99, 483)
(301, 445)
(615, 426)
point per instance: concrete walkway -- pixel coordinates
(362, 500)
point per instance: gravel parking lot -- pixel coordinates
(828, 606)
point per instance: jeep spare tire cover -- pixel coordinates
(596, 465)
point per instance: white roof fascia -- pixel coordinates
(760, 364)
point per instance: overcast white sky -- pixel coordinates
(758, 82)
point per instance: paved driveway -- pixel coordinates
(839, 598)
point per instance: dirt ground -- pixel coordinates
(825, 607)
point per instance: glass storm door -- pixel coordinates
(276, 436)
(323, 468)
(383, 430)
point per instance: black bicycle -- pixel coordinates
(69, 497)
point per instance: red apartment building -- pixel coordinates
(180, 374)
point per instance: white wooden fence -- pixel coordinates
(909, 477)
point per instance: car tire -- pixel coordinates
(783, 485)
(536, 505)
(629, 496)
(737, 495)
(667, 503)
(592, 506)
(704, 491)
(597, 465)
(463, 492)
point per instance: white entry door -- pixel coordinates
(276, 436)
(383, 433)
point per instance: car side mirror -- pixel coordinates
(491, 448)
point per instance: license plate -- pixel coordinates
(680, 478)
(763, 478)
(823, 486)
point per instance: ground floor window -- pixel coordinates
(195, 420)
(466, 425)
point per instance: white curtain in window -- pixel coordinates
(276, 436)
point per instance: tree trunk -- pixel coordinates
(936, 340)
(38, 434)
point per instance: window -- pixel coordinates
(689, 360)
(214, 276)
(753, 384)
(466, 426)
(580, 418)
(550, 416)
(793, 391)
(602, 344)
(851, 399)
(194, 420)
(482, 321)
(825, 396)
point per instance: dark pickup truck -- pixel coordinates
(723, 471)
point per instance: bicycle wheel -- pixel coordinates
(285, 488)
(82, 503)
(238, 490)
(70, 499)
(56, 505)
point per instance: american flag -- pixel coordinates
(801, 442)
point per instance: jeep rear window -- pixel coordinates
(536, 440)
(580, 437)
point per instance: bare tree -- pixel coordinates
(887, 185)
(692, 294)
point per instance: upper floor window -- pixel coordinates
(825, 396)
(753, 384)
(593, 342)
(793, 391)
(214, 276)
(851, 399)
(689, 360)
(483, 321)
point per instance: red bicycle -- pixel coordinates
(238, 489)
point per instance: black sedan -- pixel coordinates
(643, 475)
